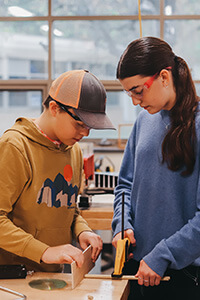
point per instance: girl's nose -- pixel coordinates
(135, 101)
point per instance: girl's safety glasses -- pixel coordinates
(137, 91)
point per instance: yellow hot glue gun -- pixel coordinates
(121, 256)
(122, 249)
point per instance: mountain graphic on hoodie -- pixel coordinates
(58, 193)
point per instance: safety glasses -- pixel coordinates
(65, 108)
(137, 91)
(76, 118)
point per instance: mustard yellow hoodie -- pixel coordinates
(39, 184)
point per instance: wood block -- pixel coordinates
(79, 273)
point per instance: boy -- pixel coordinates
(40, 176)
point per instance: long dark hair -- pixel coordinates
(148, 56)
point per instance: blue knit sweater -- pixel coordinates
(161, 206)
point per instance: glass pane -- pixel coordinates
(1, 66)
(182, 7)
(183, 36)
(14, 104)
(95, 45)
(120, 110)
(103, 7)
(23, 8)
(24, 50)
(197, 85)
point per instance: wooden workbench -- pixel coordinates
(99, 217)
(100, 213)
(96, 288)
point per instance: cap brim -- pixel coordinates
(94, 120)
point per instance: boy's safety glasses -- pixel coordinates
(65, 108)
(76, 118)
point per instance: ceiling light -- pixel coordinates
(168, 10)
(55, 31)
(44, 28)
(19, 11)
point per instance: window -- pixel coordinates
(23, 45)
(15, 103)
(24, 8)
(95, 45)
(103, 7)
(40, 39)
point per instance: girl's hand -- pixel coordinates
(129, 234)
(146, 276)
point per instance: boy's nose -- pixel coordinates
(86, 131)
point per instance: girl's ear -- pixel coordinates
(165, 76)
(53, 108)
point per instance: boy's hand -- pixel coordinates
(87, 238)
(64, 254)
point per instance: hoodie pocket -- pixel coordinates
(54, 236)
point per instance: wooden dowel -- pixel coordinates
(124, 277)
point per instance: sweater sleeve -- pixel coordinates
(125, 180)
(12, 182)
(180, 249)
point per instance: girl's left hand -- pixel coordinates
(146, 276)
(87, 238)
